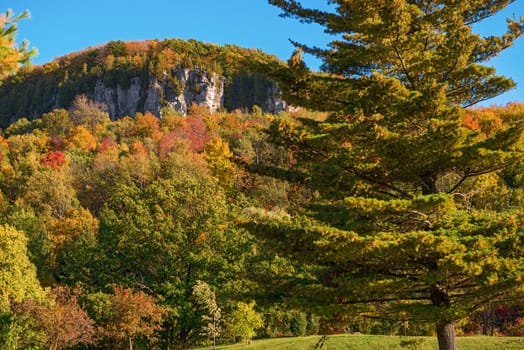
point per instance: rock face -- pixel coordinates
(183, 87)
(150, 75)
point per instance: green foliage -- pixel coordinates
(11, 54)
(401, 224)
(244, 321)
(298, 323)
(116, 48)
(17, 274)
(36, 91)
(21, 126)
(169, 235)
(57, 122)
(18, 282)
(38, 243)
(153, 206)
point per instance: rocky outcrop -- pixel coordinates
(145, 76)
(182, 87)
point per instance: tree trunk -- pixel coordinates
(485, 322)
(446, 335)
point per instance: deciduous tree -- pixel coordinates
(206, 305)
(63, 322)
(87, 113)
(17, 274)
(130, 314)
(244, 321)
(166, 236)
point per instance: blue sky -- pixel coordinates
(58, 27)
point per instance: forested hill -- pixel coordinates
(132, 77)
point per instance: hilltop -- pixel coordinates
(132, 77)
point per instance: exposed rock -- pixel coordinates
(183, 87)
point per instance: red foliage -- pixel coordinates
(106, 144)
(54, 159)
(194, 130)
(167, 143)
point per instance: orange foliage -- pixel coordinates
(77, 222)
(232, 126)
(147, 125)
(4, 148)
(133, 314)
(80, 138)
(138, 148)
(488, 120)
(196, 110)
(136, 47)
(470, 122)
(169, 55)
(194, 130)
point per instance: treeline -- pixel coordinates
(40, 89)
(125, 231)
(128, 232)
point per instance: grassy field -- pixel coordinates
(374, 342)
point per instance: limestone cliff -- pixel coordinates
(145, 76)
(183, 87)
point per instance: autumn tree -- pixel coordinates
(389, 222)
(81, 139)
(147, 125)
(164, 237)
(49, 192)
(38, 243)
(60, 318)
(17, 274)
(244, 321)
(12, 55)
(219, 157)
(206, 304)
(18, 283)
(57, 122)
(88, 113)
(126, 315)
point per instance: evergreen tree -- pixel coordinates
(12, 55)
(394, 227)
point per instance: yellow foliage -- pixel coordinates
(218, 155)
(80, 138)
(11, 55)
(77, 222)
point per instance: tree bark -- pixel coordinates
(485, 325)
(446, 335)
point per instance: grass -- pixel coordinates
(377, 342)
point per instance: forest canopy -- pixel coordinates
(381, 203)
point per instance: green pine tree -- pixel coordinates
(394, 229)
